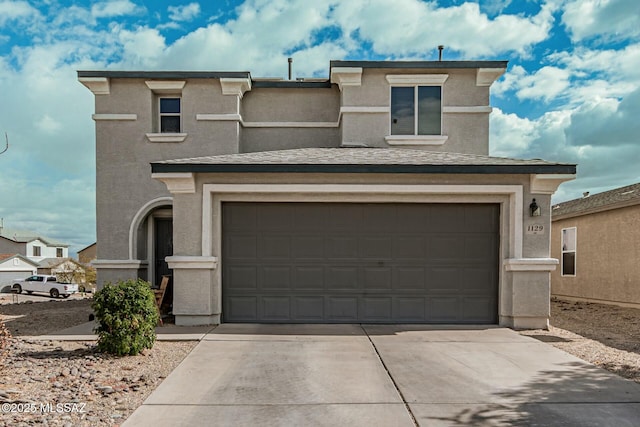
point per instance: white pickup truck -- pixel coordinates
(42, 283)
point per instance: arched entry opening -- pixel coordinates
(151, 240)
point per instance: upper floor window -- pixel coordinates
(170, 115)
(416, 110)
(59, 252)
(37, 251)
(569, 251)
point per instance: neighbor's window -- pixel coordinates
(416, 110)
(37, 250)
(169, 115)
(569, 251)
(59, 252)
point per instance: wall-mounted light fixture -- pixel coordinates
(534, 209)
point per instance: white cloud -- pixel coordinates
(410, 26)
(48, 124)
(545, 84)
(184, 12)
(109, 9)
(611, 19)
(16, 11)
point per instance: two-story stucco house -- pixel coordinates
(31, 245)
(366, 197)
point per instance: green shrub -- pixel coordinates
(127, 316)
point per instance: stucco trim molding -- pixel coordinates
(417, 79)
(235, 86)
(362, 109)
(177, 182)
(99, 117)
(416, 139)
(140, 216)
(548, 184)
(118, 264)
(192, 262)
(97, 85)
(486, 76)
(290, 124)
(166, 137)
(166, 86)
(471, 109)
(346, 76)
(530, 264)
(219, 117)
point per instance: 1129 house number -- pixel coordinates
(535, 229)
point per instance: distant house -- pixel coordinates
(34, 246)
(65, 269)
(88, 254)
(597, 240)
(14, 266)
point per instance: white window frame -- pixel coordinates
(161, 114)
(574, 251)
(415, 81)
(37, 249)
(166, 89)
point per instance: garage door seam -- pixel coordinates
(393, 381)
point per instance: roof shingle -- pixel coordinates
(618, 197)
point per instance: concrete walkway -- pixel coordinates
(339, 375)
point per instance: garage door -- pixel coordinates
(8, 278)
(352, 263)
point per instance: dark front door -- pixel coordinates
(352, 262)
(164, 247)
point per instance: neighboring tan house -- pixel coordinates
(65, 269)
(365, 197)
(88, 254)
(14, 266)
(597, 239)
(31, 245)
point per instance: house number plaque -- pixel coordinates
(535, 229)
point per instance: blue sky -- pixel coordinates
(571, 92)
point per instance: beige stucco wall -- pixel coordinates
(467, 132)
(607, 257)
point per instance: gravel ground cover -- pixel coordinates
(61, 383)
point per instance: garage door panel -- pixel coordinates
(276, 308)
(408, 278)
(242, 277)
(307, 247)
(409, 247)
(409, 309)
(376, 278)
(376, 309)
(342, 247)
(242, 246)
(444, 309)
(274, 247)
(276, 278)
(242, 309)
(341, 278)
(342, 309)
(375, 248)
(309, 278)
(309, 309)
(343, 263)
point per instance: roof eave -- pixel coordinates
(362, 168)
(598, 209)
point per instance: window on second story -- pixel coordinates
(416, 110)
(37, 251)
(170, 115)
(59, 252)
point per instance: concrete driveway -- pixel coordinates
(352, 375)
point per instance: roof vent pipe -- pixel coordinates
(440, 49)
(290, 60)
